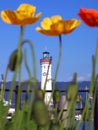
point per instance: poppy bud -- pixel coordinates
(55, 127)
(56, 96)
(40, 94)
(40, 113)
(13, 60)
(71, 92)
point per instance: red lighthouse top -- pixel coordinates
(46, 58)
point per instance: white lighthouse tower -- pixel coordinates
(46, 78)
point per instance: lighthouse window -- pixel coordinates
(46, 55)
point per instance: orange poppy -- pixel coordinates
(89, 16)
(55, 26)
(22, 16)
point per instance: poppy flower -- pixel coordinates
(24, 15)
(89, 16)
(55, 26)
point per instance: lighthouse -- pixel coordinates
(46, 78)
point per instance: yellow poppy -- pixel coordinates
(24, 15)
(55, 26)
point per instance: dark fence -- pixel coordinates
(63, 91)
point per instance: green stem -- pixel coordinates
(34, 71)
(61, 111)
(26, 65)
(58, 63)
(19, 89)
(33, 57)
(4, 83)
(29, 72)
(56, 112)
(46, 80)
(21, 35)
(57, 67)
(92, 85)
(17, 66)
(69, 115)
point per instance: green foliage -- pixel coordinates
(56, 96)
(3, 114)
(55, 127)
(40, 113)
(72, 90)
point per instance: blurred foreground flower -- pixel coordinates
(89, 16)
(55, 26)
(24, 15)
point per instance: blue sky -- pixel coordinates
(78, 47)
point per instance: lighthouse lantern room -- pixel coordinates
(46, 78)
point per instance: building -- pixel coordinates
(46, 77)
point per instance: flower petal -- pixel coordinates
(59, 26)
(89, 16)
(66, 27)
(27, 9)
(30, 20)
(56, 18)
(46, 23)
(9, 16)
(56, 26)
(22, 16)
(70, 25)
(47, 32)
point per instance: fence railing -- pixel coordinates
(63, 91)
